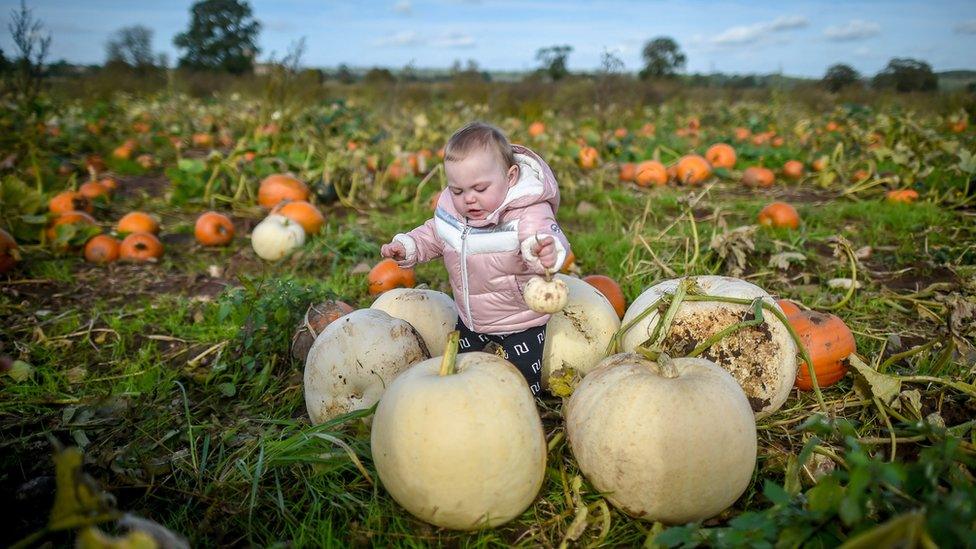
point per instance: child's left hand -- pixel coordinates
(545, 250)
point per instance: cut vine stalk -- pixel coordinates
(449, 360)
(850, 291)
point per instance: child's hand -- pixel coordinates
(394, 250)
(545, 250)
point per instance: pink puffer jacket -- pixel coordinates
(490, 260)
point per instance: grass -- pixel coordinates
(190, 410)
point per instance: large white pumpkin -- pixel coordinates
(276, 236)
(354, 359)
(432, 313)
(461, 451)
(578, 335)
(665, 445)
(761, 358)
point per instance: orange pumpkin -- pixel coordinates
(789, 308)
(648, 130)
(109, 183)
(137, 222)
(819, 164)
(68, 218)
(828, 341)
(627, 171)
(902, 196)
(70, 201)
(588, 157)
(202, 140)
(94, 189)
(9, 254)
(611, 290)
(793, 169)
(742, 134)
(721, 155)
(537, 128)
(101, 249)
(779, 214)
(861, 175)
(620, 133)
(568, 263)
(213, 229)
(141, 247)
(651, 172)
(387, 275)
(278, 187)
(303, 213)
(756, 176)
(959, 125)
(396, 171)
(692, 169)
(123, 152)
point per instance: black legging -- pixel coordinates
(523, 349)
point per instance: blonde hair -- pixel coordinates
(479, 135)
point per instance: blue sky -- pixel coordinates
(800, 38)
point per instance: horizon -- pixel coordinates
(798, 40)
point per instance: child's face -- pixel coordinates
(478, 183)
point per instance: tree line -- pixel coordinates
(222, 36)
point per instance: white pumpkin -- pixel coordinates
(578, 335)
(761, 358)
(461, 451)
(545, 296)
(354, 359)
(276, 236)
(671, 444)
(432, 313)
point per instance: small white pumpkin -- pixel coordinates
(545, 296)
(463, 450)
(666, 441)
(433, 314)
(578, 335)
(353, 360)
(761, 358)
(276, 236)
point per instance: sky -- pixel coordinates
(797, 38)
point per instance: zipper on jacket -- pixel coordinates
(464, 274)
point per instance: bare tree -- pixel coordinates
(33, 44)
(131, 46)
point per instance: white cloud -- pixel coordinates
(403, 6)
(455, 40)
(757, 32)
(966, 27)
(855, 29)
(401, 39)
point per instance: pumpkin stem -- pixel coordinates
(665, 366)
(663, 326)
(614, 346)
(450, 354)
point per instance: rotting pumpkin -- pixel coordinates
(140, 248)
(102, 249)
(828, 341)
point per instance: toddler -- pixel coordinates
(495, 227)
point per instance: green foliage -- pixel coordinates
(222, 36)
(906, 75)
(840, 76)
(20, 208)
(662, 57)
(553, 59)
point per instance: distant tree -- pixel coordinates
(131, 46)
(553, 60)
(840, 76)
(378, 75)
(344, 74)
(32, 44)
(610, 63)
(905, 75)
(662, 58)
(222, 36)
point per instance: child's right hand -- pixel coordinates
(394, 250)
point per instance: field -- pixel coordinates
(174, 377)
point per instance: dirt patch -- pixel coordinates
(154, 186)
(915, 277)
(793, 195)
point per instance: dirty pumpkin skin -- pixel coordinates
(578, 335)
(354, 359)
(461, 451)
(672, 445)
(761, 358)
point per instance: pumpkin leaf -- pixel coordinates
(905, 530)
(871, 382)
